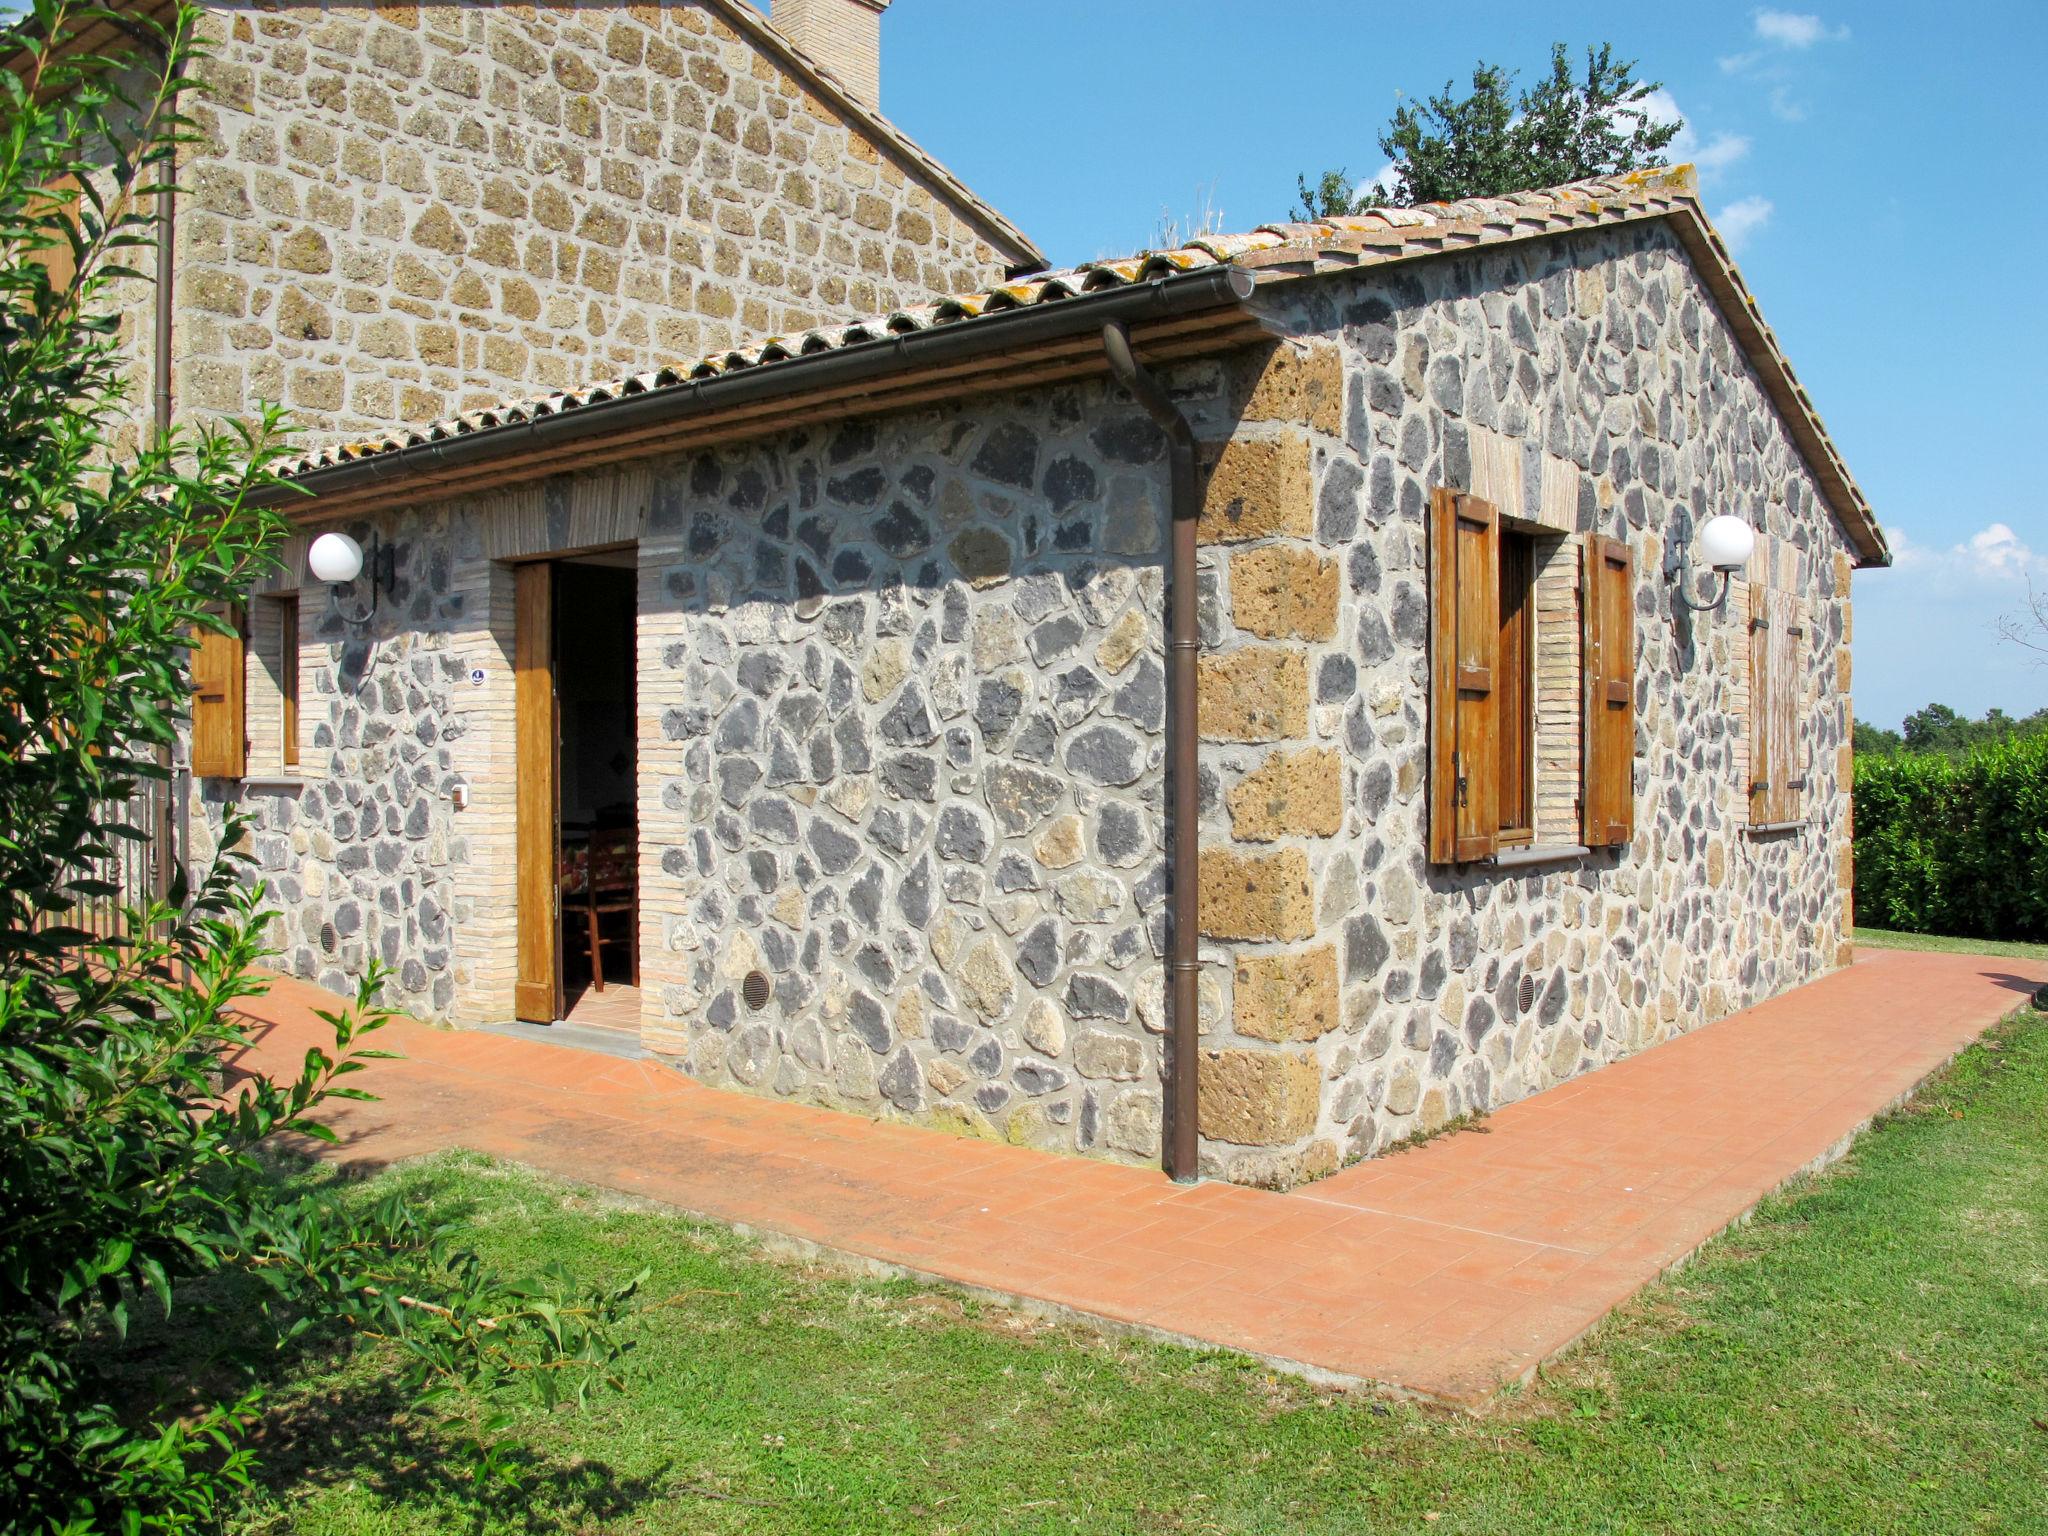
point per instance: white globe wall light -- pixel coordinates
(338, 560)
(335, 558)
(1726, 543)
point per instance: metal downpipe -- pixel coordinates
(1183, 644)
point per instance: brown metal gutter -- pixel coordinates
(1183, 737)
(861, 378)
(166, 258)
(173, 831)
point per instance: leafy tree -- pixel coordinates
(1489, 143)
(1941, 729)
(1938, 728)
(135, 1175)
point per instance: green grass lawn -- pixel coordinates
(1870, 1353)
(1881, 938)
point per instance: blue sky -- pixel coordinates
(1877, 166)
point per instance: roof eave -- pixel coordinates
(1165, 315)
(1005, 236)
(1716, 265)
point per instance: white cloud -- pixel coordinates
(1712, 156)
(1782, 31)
(1785, 107)
(1795, 30)
(1742, 218)
(1926, 629)
(1994, 554)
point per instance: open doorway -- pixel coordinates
(579, 910)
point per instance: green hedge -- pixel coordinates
(1955, 845)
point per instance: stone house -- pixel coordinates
(401, 212)
(1248, 704)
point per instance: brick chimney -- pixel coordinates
(843, 35)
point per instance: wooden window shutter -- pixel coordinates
(1758, 724)
(1776, 773)
(1464, 722)
(1777, 637)
(1607, 608)
(1787, 704)
(218, 728)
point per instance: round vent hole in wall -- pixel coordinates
(755, 990)
(1526, 995)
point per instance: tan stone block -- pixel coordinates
(1256, 693)
(437, 345)
(1287, 997)
(1291, 794)
(470, 291)
(1045, 1027)
(988, 980)
(1120, 647)
(437, 230)
(306, 250)
(384, 338)
(1283, 591)
(1436, 1111)
(1257, 895)
(418, 404)
(1843, 669)
(1304, 387)
(1259, 1098)
(316, 389)
(1059, 846)
(1101, 1053)
(1258, 487)
(220, 293)
(521, 300)
(886, 667)
(504, 357)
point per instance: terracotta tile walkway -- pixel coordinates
(1445, 1271)
(616, 1007)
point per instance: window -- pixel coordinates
(288, 677)
(1777, 633)
(1517, 687)
(1492, 666)
(271, 705)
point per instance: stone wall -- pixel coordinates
(901, 747)
(400, 212)
(1583, 385)
(901, 732)
(901, 710)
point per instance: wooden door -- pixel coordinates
(537, 764)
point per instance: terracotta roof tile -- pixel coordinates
(1272, 252)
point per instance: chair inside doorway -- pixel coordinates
(599, 901)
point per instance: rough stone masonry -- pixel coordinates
(902, 731)
(396, 212)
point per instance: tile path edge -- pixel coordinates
(1343, 1282)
